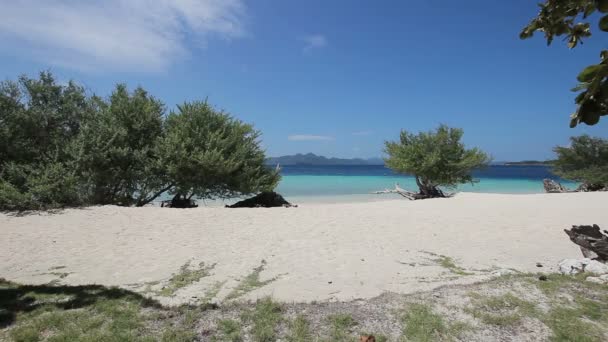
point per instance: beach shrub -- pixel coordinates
(39, 121)
(209, 154)
(585, 160)
(60, 147)
(572, 19)
(436, 159)
(117, 149)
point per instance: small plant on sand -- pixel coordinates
(422, 324)
(250, 282)
(504, 310)
(299, 330)
(341, 326)
(265, 317)
(186, 276)
(228, 331)
(450, 264)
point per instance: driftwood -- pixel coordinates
(411, 195)
(593, 243)
(266, 199)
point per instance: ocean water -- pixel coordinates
(357, 182)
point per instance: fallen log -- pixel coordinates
(409, 194)
(591, 240)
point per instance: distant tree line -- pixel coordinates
(61, 147)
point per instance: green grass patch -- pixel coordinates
(82, 313)
(299, 330)
(229, 330)
(505, 310)
(449, 264)
(250, 282)
(341, 326)
(265, 317)
(186, 276)
(421, 324)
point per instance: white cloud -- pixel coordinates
(314, 41)
(140, 35)
(363, 133)
(309, 137)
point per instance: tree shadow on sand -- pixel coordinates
(15, 298)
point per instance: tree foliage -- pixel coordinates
(117, 148)
(60, 147)
(572, 19)
(585, 160)
(39, 121)
(209, 154)
(436, 158)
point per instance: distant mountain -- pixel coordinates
(313, 159)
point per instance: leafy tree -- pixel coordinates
(209, 154)
(562, 18)
(117, 156)
(436, 158)
(39, 120)
(585, 160)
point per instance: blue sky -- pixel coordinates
(333, 77)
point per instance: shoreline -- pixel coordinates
(335, 252)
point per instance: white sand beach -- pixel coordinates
(315, 252)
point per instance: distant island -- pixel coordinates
(531, 162)
(313, 159)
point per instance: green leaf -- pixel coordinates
(589, 73)
(604, 23)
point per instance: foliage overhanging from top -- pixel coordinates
(563, 18)
(436, 158)
(60, 147)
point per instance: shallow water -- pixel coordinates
(357, 182)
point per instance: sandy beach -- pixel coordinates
(314, 252)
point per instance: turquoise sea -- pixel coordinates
(357, 182)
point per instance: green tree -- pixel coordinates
(436, 159)
(585, 160)
(117, 149)
(39, 120)
(209, 154)
(563, 18)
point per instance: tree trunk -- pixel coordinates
(428, 190)
(142, 202)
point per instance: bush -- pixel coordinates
(209, 154)
(585, 160)
(436, 158)
(60, 147)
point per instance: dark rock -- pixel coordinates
(538, 264)
(591, 187)
(179, 202)
(543, 278)
(266, 199)
(552, 186)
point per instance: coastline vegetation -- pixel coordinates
(436, 159)
(585, 161)
(60, 147)
(560, 308)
